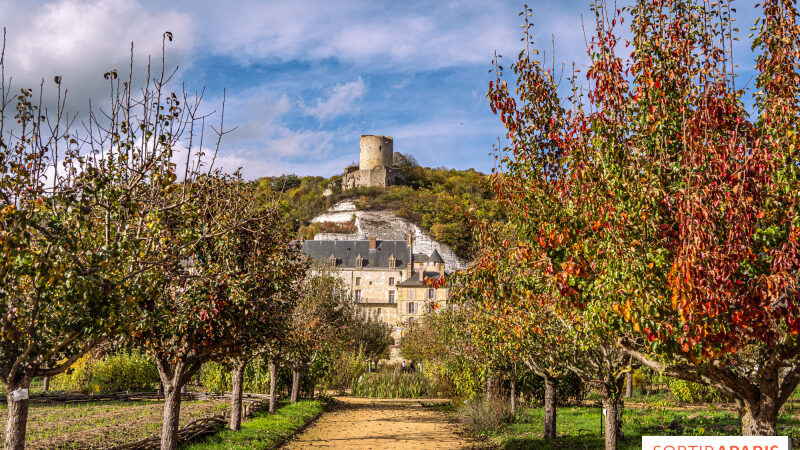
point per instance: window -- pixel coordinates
(359, 262)
(392, 262)
(357, 295)
(431, 294)
(358, 281)
(391, 281)
(379, 312)
(391, 296)
(411, 294)
(332, 261)
(412, 308)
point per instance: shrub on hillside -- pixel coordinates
(116, 373)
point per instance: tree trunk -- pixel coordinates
(46, 384)
(237, 381)
(513, 397)
(295, 383)
(613, 410)
(629, 385)
(173, 378)
(489, 388)
(172, 413)
(273, 383)
(761, 420)
(17, 422)
(549, 408)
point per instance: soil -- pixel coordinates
(382, 423)
(99, 426)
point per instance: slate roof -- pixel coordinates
(346, 253)
(413, 280)
(435, 257)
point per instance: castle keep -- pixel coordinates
(375, 164)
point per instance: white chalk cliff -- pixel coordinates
(384, 225)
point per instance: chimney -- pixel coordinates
(422, 275)
(441, 269)
(373, 243)
(410, 245)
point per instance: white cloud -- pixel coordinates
(82, 39)
(265, 142)
(379, 35)
(340, 101)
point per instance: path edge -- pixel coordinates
(285, 440)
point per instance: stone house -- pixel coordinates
(385, 277)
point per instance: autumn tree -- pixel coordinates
(685, 202)
(263, 267)
(76, 234)
(319, 323)
(372, 336)
(559, 178)
(713, 227)
(515, 319)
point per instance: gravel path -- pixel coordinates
(381, 423)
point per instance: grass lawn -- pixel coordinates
(579, 427)
(263, 430)
(104, 423)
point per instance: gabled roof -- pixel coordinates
(435, 257)
(413, 280)
(346, 253)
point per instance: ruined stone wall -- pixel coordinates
(381, 176)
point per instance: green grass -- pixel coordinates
(263, 430)
(579, 427)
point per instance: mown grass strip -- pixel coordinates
(263, 430)
(579, 427)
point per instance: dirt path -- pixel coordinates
(378, 423)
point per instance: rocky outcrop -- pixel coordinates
(384, 225)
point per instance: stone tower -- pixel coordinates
(376, 151)
(375, 164)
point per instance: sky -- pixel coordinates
(304, 79)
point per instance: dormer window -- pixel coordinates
(392, 262)
(359, 262)
(332, 260)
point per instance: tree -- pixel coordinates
(558, 179)
(685, 223)
(263, 266)
(372, 336)
(225, 289)
(720, 206)
(319, 323)
(76, 242)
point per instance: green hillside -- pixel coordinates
(437, 200)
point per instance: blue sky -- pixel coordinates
(304, 79)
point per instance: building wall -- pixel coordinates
(374, 286)
(419, 296)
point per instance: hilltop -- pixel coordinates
(434, 199)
